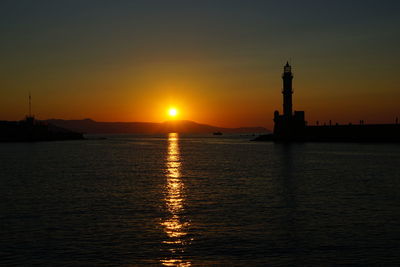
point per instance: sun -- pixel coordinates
(172, 112)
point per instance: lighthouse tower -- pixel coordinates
(289, 126)
(287, 91)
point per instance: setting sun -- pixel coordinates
(172, 112)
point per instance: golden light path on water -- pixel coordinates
(174, 226)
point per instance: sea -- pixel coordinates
(199, 200)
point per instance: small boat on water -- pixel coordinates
(217, 133)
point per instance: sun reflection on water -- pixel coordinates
(174, 225)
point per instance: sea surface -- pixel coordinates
(188, 200)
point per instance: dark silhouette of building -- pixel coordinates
(289, 125)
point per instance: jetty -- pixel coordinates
(291, 126)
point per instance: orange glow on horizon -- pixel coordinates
(246, 99)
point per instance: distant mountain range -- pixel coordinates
(180, 126)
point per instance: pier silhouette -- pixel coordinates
(292, 126)
(32, 130)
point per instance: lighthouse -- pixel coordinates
(287, 91)
(288, 126)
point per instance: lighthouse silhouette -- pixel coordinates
(287, 91)
(289, 126)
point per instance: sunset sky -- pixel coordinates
(216, 62)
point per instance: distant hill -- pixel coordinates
(181, 126)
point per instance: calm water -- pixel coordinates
(190, 200)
